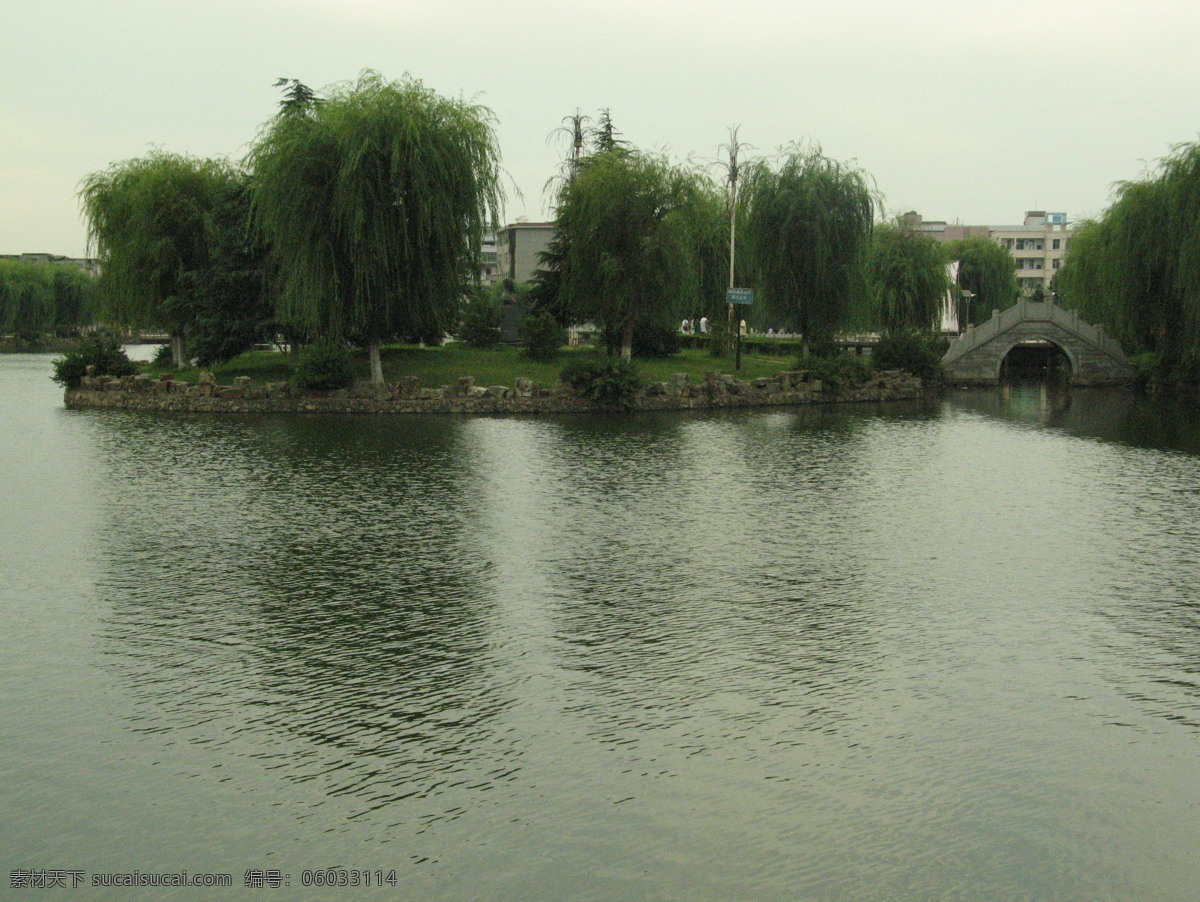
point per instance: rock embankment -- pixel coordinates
(464, 396)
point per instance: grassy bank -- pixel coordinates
(494, 366)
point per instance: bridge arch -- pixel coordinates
(1062, 347)
(977, 356)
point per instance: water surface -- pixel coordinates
(929, 650)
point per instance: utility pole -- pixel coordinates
(735, 332)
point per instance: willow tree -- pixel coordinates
(1137, 268)
(373, 199)
(986, 270)
(629, 261)
(27, 298)
(808, 218)
(904, 279)
(148, 223)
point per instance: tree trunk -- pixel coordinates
(177, 356)
(376, 363)
(627, 341)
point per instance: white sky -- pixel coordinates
(967, 110)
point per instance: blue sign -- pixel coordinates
(739, 296)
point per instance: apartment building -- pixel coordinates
(1038, 245)
(518, 246)
(489, 268)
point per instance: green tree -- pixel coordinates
(709, 224)
(1137, 268)
(903, 280)
(26, 298)
(373, 201)
(74, 298)
(148, 220)
(223, 303)
(629, 259)
(808, 218)
(986, 270)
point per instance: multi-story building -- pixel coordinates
(518, 246)
(1038, 246)
(489, 267)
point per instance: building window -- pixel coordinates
(1055, 245)
(1055, 262)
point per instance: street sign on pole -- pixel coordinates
(739, 296)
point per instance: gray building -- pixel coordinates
(518, 246)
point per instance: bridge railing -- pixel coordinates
(1025, 311)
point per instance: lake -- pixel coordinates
(947, 649)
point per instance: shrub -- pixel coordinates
(914, 352)
(838, 370)
(605, 380)
(480, 327)
(323, 367)
(163, 356)
(718, 337)
(541, 337)
(649, 339)
(101, 351)
(656, 340)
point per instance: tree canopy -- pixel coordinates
(373, 199)
(986, 270)
(37, 298)
(223, 303)
(904, 279)
(26, 298)
(629, 218)
(808, 218)
(148, 220)
(1137, 268)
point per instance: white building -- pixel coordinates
(1038, 246)
(489, 268)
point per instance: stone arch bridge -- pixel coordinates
(977, 356)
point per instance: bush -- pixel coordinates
(914, 352)
(657, 340)
(541, 337)
(605, 380)
(101, 351)
(718, 337)
(163, 357)
(838, 370)
(650, 340)
(480, 327)
(323, 367)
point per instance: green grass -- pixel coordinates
(494, 366)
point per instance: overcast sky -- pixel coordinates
(960, 109)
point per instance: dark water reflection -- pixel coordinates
(937, 650)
